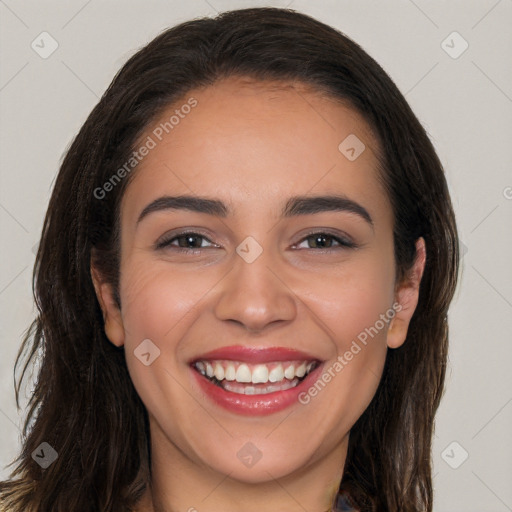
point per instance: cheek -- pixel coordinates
(354, 306)
(158, 303)
(161, 304)
(351, 299)
(155, 307)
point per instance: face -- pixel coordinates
(258, 307)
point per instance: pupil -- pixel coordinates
(320, 241)
(189, 239)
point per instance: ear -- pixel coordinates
(114, 328)
(406, 297)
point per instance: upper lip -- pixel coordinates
(255, 355)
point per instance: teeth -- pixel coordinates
(243, 374)
(260, 374)
(234, 371)
(243, 389)
(219, 371)
(276, 374)
(289, 373)
(301, 370)
(230, 373)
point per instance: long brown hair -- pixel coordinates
(84, 404)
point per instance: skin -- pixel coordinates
(253, 145)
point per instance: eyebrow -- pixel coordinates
(297, 205)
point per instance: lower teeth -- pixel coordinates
(244, 389)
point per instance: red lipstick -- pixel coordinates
(254, 398)
(256, 355)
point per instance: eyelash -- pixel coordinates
(166, 242)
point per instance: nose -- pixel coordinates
(255, 295)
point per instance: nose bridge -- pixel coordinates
(253, 293)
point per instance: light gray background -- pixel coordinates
(465, 103)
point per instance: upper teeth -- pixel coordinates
(255, 374)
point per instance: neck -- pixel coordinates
(179, 484)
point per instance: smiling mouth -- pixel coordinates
(255, 379)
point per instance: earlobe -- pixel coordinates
(407, 295)
(114, 328)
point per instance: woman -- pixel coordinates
(243, 283)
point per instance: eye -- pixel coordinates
(187, 241)
(323, 240)
(190, 241)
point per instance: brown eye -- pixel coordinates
(186, 241)
(323, 240)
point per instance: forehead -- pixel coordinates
(254, 142)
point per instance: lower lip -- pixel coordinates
(255, 405)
